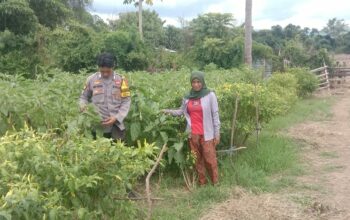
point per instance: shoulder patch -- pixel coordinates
(125, 88)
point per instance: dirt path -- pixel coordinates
(323, 192)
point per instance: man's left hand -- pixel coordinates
(109, 122)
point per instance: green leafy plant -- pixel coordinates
(45, 175)
(307, 81)
(50, 165)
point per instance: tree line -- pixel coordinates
(39, 34)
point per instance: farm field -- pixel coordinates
(49, 157)
(208, 110)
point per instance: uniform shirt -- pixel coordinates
(195, 111)
(106, 95)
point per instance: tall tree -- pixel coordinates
(50, 13)
(337, 29)
(248, 33)
(17, 17)
(153, 31)
(291, 31)
(138, 3)
(172, 37)
(212, 25)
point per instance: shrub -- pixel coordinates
(165, 60)
(144, 121)
(45, 175)
(17, 16)
(74, 47)
(210, 67)
(17, 54)
(130, 51)
(270, 100)
(307, 81)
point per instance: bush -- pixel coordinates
(285, 85)
(165, 60)
(18, 54)
(282, 87)
(44, 175)
(130, 51)
(74, 47)
(144, 120)
(271, 99)
(63, 172)
(224, 54)
(210, 67)
(17, 16)
(136, 61)
(307, 81)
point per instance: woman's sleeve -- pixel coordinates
(177, 112)
(215, 114)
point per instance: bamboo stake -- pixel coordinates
(234, 121)
(256, 102)
(139, 198)
(149, 175)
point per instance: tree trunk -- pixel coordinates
(248, 34)
(140, 19)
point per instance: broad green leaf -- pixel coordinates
(178, 146)
(5, 215)
(81, 213)
(164, 137)
(135, 130)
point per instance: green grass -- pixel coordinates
(311, 187)
(308, 109)
(189, 205)
(305, 201)
(332, 167)
(329, 155)
(252, 168)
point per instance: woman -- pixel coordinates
(200, 108)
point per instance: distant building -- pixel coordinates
(342, 60)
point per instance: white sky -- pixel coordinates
(266, 13)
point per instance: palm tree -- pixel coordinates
(248, 33)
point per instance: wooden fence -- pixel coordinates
(323, 76)
(331, 77)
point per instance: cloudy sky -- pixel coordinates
(266, 13)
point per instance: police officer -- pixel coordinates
(109, 92)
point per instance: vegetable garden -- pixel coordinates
(51, 168)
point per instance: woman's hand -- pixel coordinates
(82, 108)
(217, 140)
(165, 111)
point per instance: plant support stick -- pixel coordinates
(149, 175)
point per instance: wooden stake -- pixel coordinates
(149, 175)
(256, 102)
(138, 198)
(234, 118)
